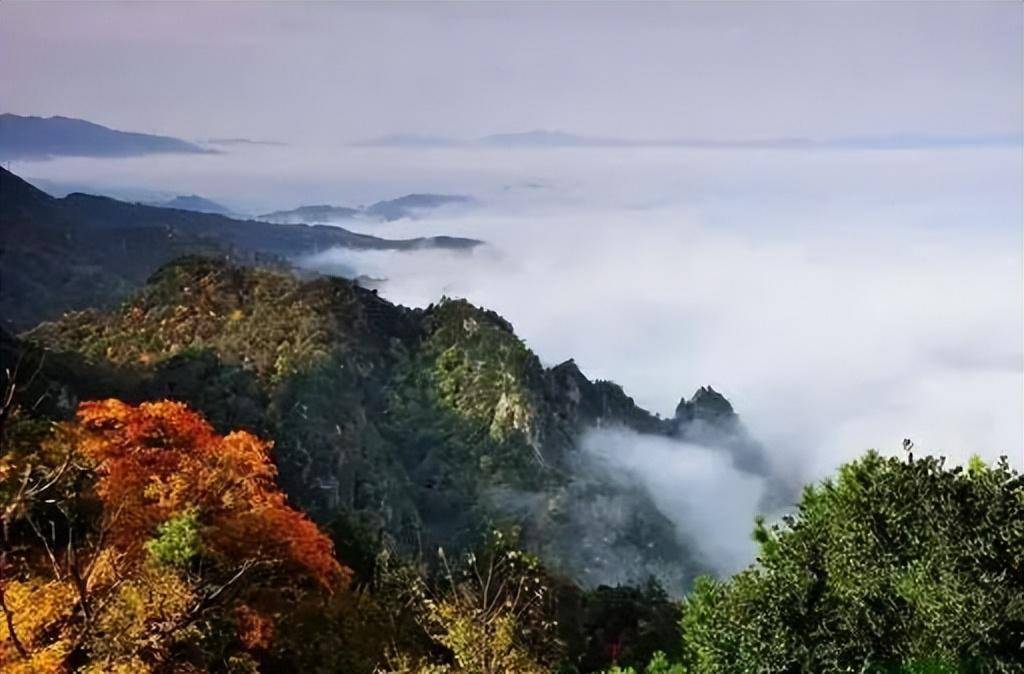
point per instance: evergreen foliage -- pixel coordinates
(894, 566)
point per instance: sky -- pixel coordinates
(330, 73)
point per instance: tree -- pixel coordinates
(163, 546)
(625, 625)
(491, 613)
(896, 566)
(158, 461)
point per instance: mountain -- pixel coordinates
(310, 214)
(135, 194)
(418, 426)
(194, 202)
(413, 205)
(44, 137)
(80, 251)
(181, 443)
(408, 206)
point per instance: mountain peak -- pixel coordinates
(706, 404)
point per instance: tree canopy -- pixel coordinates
(137, 539)
(894, 566)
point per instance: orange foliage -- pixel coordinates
(158, 460)
(255, 630)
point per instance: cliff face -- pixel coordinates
(420, 426)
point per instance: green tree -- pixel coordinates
(896, 566)
(177, 540)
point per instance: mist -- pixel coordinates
(711, 502)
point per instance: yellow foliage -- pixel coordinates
(37, 606)
(153, 600)
(48, 660)
(130, 666)
(482, 642)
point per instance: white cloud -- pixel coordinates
(712, 504)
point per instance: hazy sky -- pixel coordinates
(341, 72)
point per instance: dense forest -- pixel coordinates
(234, 468)
(137, 538)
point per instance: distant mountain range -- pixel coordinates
(408, 206)
(541, 138)
(30, 137)
(45, 137)
(63, 254)
(196, 203)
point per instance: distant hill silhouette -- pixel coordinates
(408, 206)
(412, 204)
(194, 202)
(42, 137)
(307, 214)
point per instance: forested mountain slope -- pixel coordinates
(402, 432)
(85, 251)
(419, 426)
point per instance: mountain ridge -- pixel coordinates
(194, 202)
(32, 137)
(421, 425)
(82, 250)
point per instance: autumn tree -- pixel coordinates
(491, 611)
(163, 546)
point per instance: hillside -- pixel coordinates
(87, 251)
(418, 426)
(454, 515)
(44, 137)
